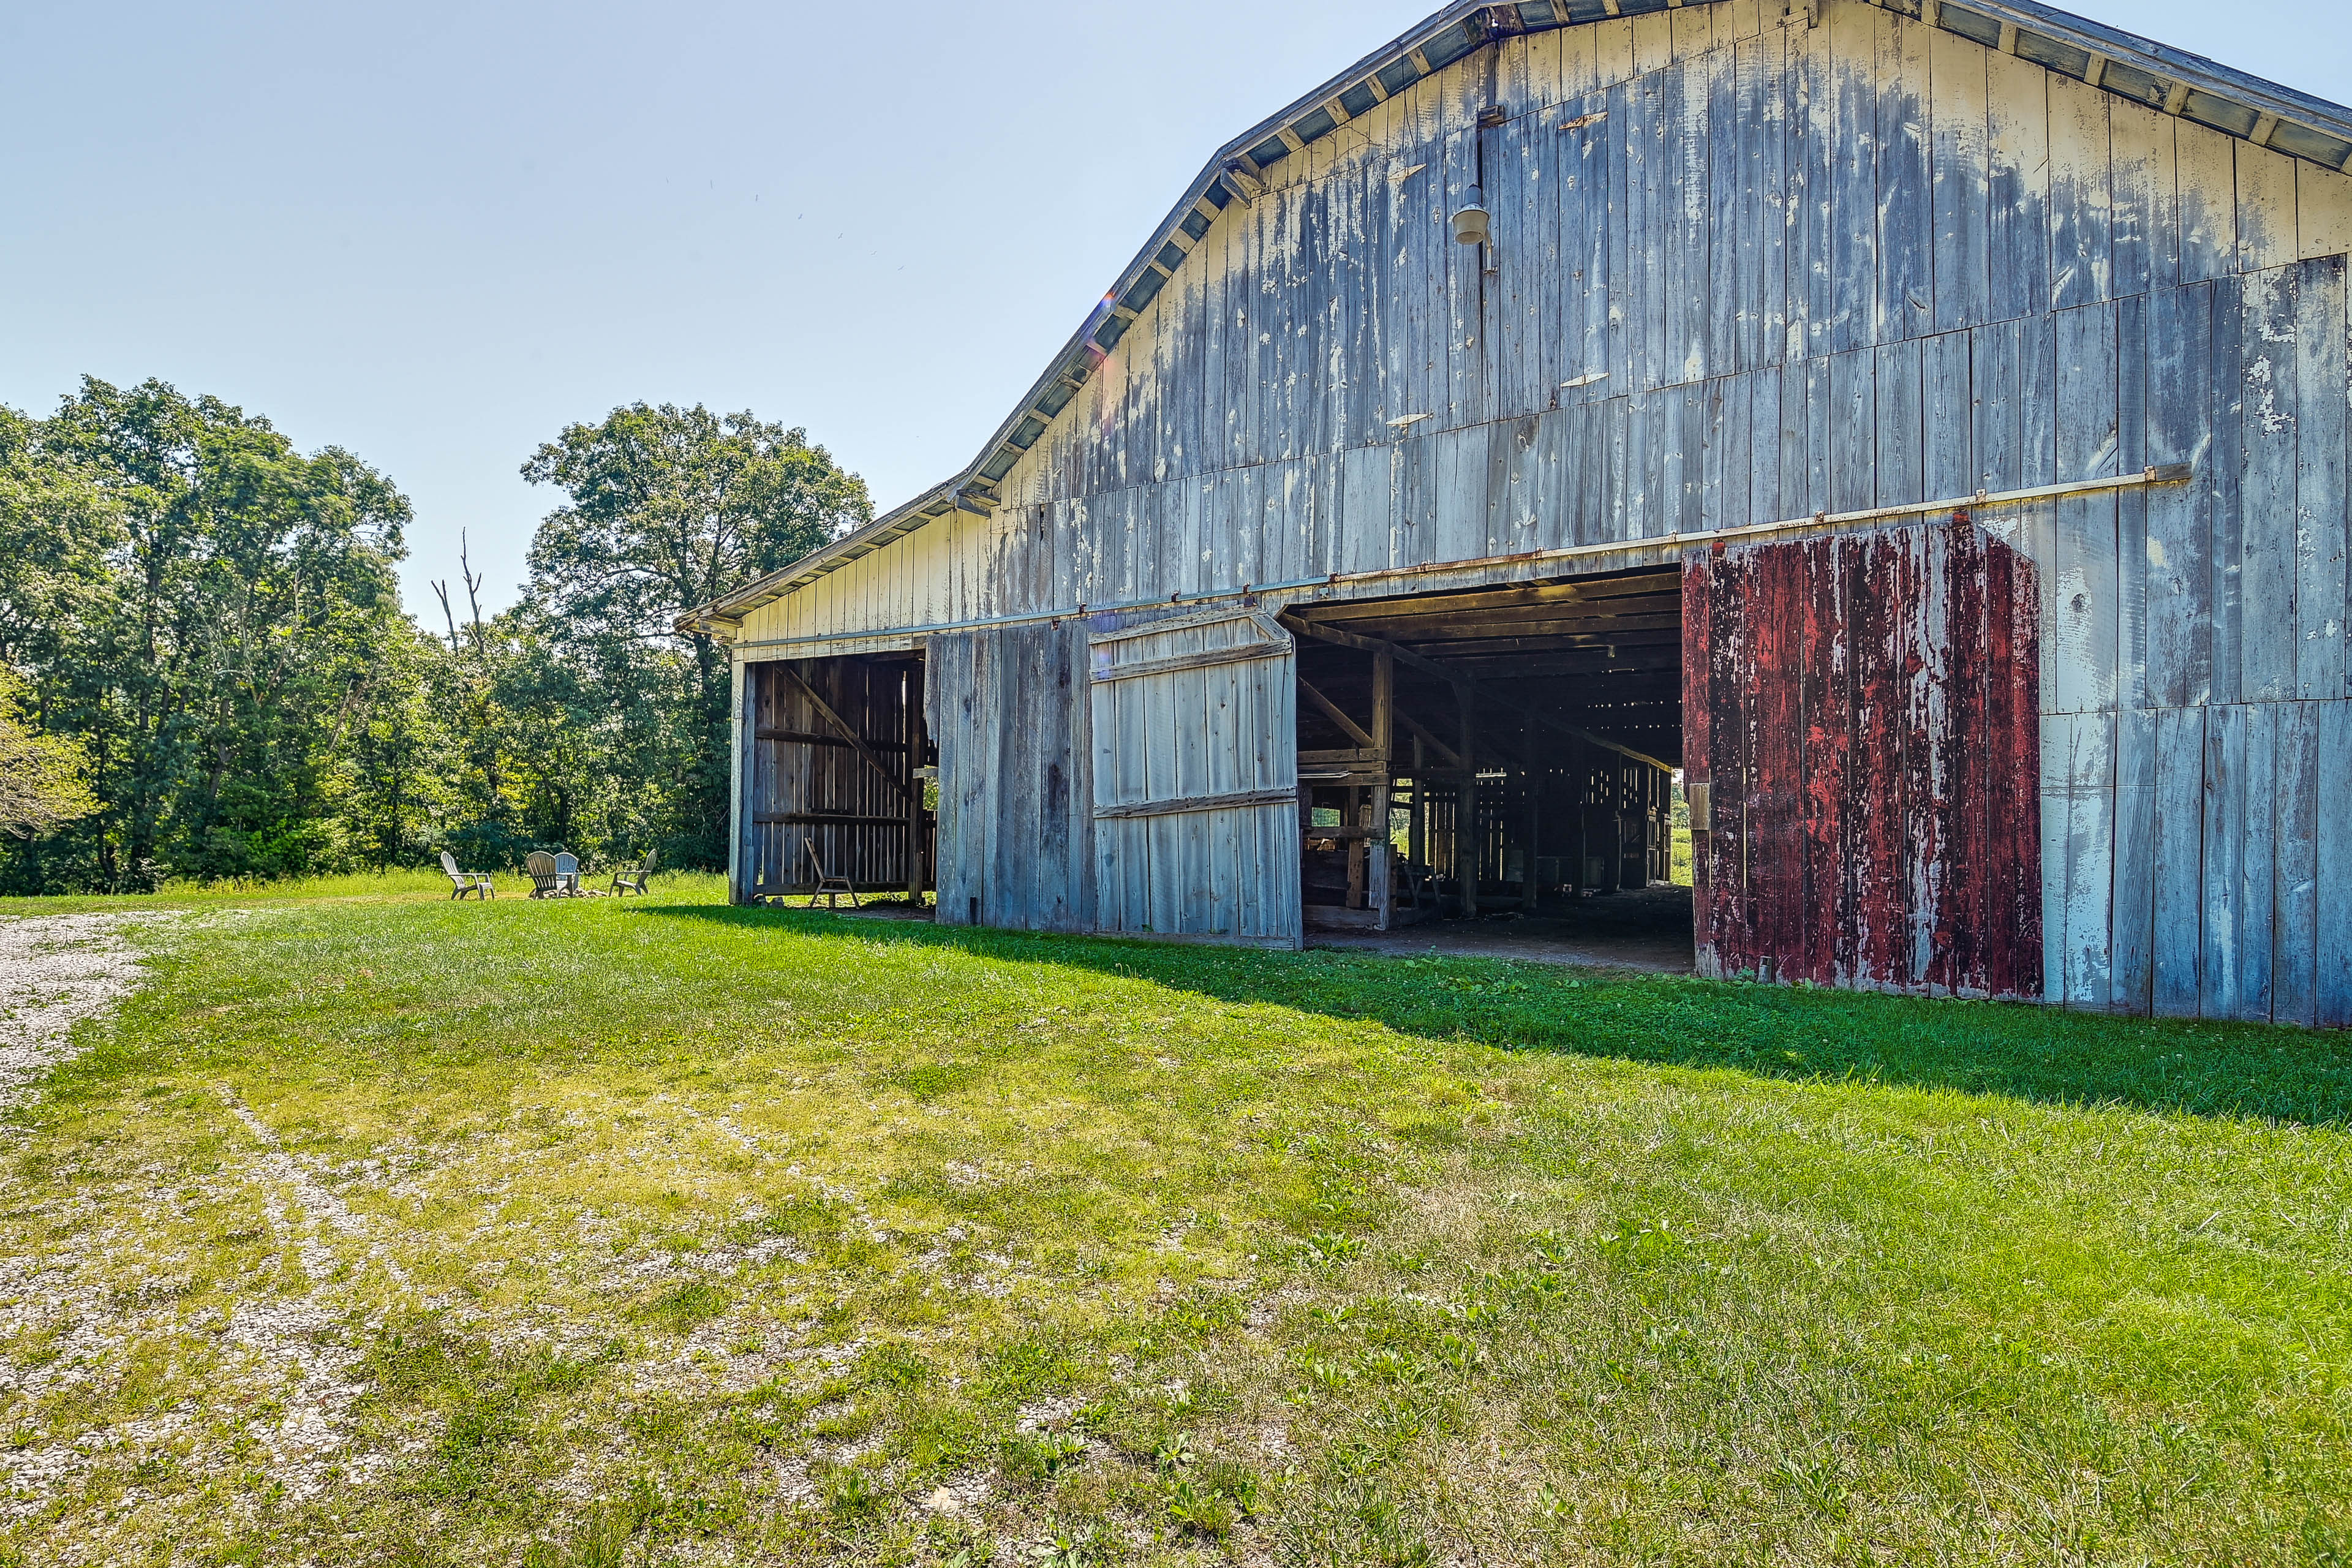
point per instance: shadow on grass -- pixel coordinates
(2026, 1052)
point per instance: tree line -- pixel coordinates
(206, 669)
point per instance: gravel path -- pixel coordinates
(55, 971)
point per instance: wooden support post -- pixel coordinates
(1357, 849)
(1530, 879)
(1379, 884)
(913, 696)
(1613, 875)
(1580, 774)
(1416, 834)
(1465, 809)
(740, 872)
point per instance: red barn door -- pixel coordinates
(1861, 745)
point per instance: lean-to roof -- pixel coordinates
(2140, 69)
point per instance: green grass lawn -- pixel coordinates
(383, 1230)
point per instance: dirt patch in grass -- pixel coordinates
(56, 972)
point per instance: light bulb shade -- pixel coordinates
(1471, 226)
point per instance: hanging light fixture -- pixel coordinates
(1472, 225)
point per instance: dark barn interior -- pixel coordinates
(837, 754)
(1496, 751)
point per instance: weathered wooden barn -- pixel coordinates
(1922, 425)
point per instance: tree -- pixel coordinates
(202, 606)
(44, 779)
(668, 507)
(206, 669)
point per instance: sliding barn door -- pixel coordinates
(1862, 750)
(1008, 706)
(1195, 736)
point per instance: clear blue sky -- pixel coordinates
(435, 234)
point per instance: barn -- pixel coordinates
(1916, 432)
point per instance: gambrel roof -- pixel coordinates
(2123, 64)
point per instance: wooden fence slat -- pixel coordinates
(2333, 868)
(2294, 884)
(2177, 931)
(2258, 866)
(2320, 520)
(2135, 917)
(2175, 575)
(2267, 428)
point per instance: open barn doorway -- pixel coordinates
(837, 760)
(1493, 770)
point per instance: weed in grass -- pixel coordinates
(1043, 1455)
(1203, 1510)
(1173, 1452)
(852, 1494)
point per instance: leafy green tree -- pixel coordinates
(202, 606)
(667, 508)
(44, 779)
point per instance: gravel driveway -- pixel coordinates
(55, 971)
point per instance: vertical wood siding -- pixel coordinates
(1747, 269)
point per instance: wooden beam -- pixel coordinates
(1355, 731)
(1557, 643)
(1405, 657)
(1590, 664)
(1446, 754)
(824, 708)
(1583, 591)
(1646, 602)
(1237, 653)
(1463, 685)
(809, 738)
(1189, 803)
(1420, 633)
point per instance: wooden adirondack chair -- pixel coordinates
(546, 880)
(477, 883)
(829, 888)
(627, 879)
(567, 866)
